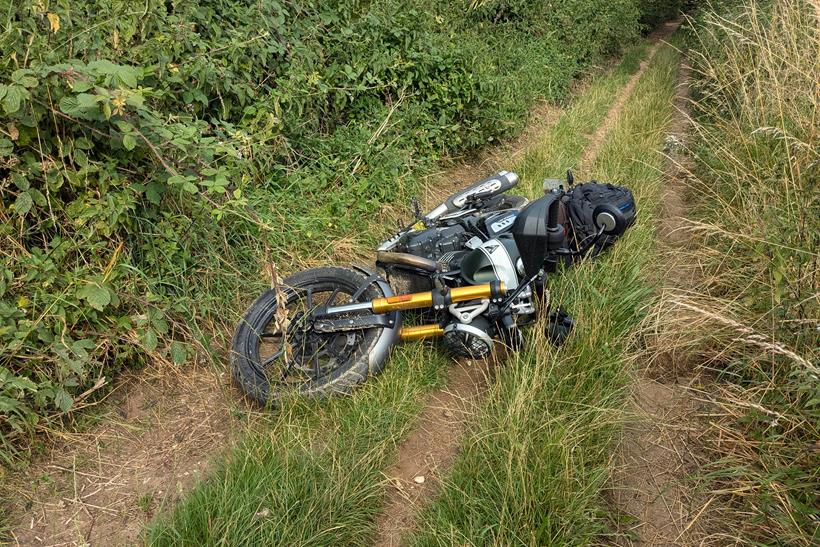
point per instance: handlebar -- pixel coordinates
(491, 186)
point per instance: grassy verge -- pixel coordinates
(541, 451)
(314, 475)
(752, 319)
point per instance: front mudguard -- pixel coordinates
(390, 335)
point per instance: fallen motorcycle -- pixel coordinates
(474, 270)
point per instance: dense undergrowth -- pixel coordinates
(753, 319)
(154, 156)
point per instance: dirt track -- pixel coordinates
(155, 438)
(104, 485)
(657, 453)
(430, 448)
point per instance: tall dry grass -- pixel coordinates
(752, 318)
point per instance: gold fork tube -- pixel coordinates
(408, 334)
(425, 299)
(403, 302)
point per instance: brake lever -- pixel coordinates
(480, 196)
(414, 203)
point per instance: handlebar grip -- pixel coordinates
(552, 214)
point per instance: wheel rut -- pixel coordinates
(433, 444)
(430, 449)
(598, 139)
(658, 452)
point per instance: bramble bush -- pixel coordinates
(152, 152)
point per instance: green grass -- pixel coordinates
(750, 321)
(541, 451)
(313, 473)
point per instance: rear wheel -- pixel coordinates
(275, 350)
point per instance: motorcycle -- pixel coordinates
(473, 270)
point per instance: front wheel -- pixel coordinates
(275, 350)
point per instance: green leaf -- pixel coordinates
(7, 379)
(124, 126)
(149, 340)
(179, 352)
(126, 76)
(103, 67)
(129, 142)
(13, 99)
(80, 86)
(87, 100)
(153, 192)
(6, 147)
(23, 203)
(136, 100)
(69, 105)
(97, 296)
(83, 144)
(190, 187)
(24, 77)
(63, 400)
(20, 181)
(39, 198)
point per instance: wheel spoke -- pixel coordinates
(309, 299)
(315, 363)
(299, 353)
(331, 351)
(270, 360)
(332, 297)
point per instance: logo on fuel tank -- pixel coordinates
(503, 223)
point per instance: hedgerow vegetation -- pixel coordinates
(154, 155)
(753, 320)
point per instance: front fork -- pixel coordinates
(436, 299)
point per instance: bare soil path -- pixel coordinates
(433, 445)
(153, 441)
(598, 139)
(658, 451)
(430, 450)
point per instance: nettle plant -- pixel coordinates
(84, 163)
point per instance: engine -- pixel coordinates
(472, 250)
(433, 243)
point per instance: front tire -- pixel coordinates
(274, 354)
